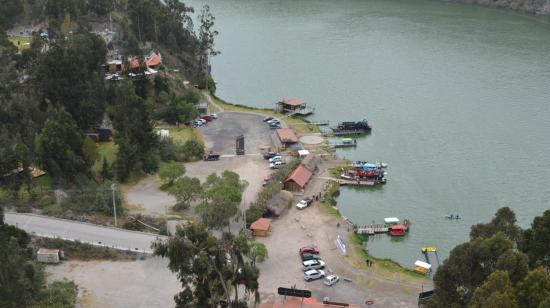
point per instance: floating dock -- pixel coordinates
(327, 131)
(372, 229)
(360, 183)
(430, 252)
(342, 143)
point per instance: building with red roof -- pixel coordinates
(261, 227)
(286, 136)
(298, 179)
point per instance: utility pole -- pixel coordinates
(113, 187)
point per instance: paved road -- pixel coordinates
(84, 232)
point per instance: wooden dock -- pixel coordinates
(359, 183)
(372, 229)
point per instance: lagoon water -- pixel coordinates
(458, 97)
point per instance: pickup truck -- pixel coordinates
(211, 157)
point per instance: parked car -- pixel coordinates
(207, 118)
(203, 121)
(214, 116)
(308, 249)
(313, 264)
(274, 126)
(304, 203)
(313, 275)
(211, 157)
(268, 155)
(268, 119)
(272, 120)
(309, 256)
(330, 280)
(275, 158)
(276, 165)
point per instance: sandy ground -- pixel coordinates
(145, 283)
(313, 226)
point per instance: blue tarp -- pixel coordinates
(370, 166)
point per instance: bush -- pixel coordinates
(170, 150)
(193, 150)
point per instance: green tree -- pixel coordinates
(106, 173)
(9, 12)
(515, 263)
(208, 266)
(220, 199)
(535, 288)
(169, 172)
(258, 252)
(59, 146)
(193, 150)
(186, 190)
(497, 291)
(137, 143)
(70, 75)
(467, 267)
(535, 241)
(207, 34)
(504, 221)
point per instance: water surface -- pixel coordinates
(458, 96)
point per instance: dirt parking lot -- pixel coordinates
(219, 135)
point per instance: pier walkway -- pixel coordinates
(432, 258)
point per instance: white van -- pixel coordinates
(276, 165)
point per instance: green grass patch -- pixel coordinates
(21, 41)
(107, 150)
(182, 134)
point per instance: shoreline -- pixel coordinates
(328, 204)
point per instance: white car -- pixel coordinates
(301, 205)
(214, 116)
(273, 121)
(331, 279)
(203, 121)
(313, 274)
(313, 264)
(276, 165)
(274, 159)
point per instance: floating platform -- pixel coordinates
(430, 252)
(371, 230)
(342, 143)
(327, 131)
(361, 183)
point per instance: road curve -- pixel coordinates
(83, 232)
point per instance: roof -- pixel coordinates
(261, 224)
(47, 251)
(154, 59)
(399, 227)
(422, 264)
(293, 102)
(391, 219)
(287, 135)
(300, 176)
(303, 152)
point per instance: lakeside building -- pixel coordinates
(287, 137)
(298, 179)
(295, 106)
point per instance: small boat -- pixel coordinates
(361, 164)
(398, 230)
(453, 217)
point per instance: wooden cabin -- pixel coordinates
(261, 227)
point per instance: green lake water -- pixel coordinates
(458, 97)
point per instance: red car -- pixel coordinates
(307, 249)
(207, 118)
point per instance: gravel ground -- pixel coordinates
(144, 283)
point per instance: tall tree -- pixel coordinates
(497, 291)
(186, 190)
(70, 75)
(171, 171)
(535, 288)
(504, 221)
(131, 117)
(59, 146)
(206, 36)
(220, 199)
(535, 241)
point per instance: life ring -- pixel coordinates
(369, 302)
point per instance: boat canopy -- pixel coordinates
(422, 264)
(370, 166)
(391, 219)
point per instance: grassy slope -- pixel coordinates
(20, 41)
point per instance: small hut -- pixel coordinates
(261, 227)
